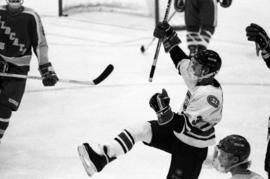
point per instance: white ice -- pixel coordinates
(41, 140)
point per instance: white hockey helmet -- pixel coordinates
(14, 4)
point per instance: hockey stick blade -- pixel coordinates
(96, 81)
(108, 70)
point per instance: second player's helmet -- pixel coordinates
(209, 59)
(236, 145)
(231, 152)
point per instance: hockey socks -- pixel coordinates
(121, 144)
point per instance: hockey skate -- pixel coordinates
(93, 160)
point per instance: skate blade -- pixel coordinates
(87, 163)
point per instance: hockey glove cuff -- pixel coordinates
(160, 104)
(170, 42)
(49, 76)
(165, 116)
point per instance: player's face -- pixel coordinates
(195, 68)
(222, 161)
(14, 4)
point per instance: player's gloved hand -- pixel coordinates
(162, 30)
(257, 34)
(49, 76)
(167, 34)
(179, 5)
(225, 3)
(160, 104)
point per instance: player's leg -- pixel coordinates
(94, 158)
(192, 21)
(163, 135)
(186, 161)
(208, 19)
(11, 94)
(5, 114)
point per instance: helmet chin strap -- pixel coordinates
(220, 168)
(206, 76)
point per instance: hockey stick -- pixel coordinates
(143, 48)
(159, 44)
(96, 81)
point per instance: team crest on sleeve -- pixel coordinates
(213, 101)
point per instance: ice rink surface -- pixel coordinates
(43, 135)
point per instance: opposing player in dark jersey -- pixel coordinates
(258, 35)
(186, 134)
(21, 31)
(231, 155)
(200, 20)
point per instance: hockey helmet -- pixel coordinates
(232, 151)
(236, 145)
(209, 59)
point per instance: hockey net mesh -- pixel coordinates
(138, 7)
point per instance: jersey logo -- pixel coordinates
(12, 37)
(213, 101)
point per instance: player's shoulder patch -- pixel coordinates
(213, 101)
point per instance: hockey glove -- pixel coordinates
(179, 5)
(225, 3)
(49, 76)
(257, 34)
(160, 104)
(168, 35)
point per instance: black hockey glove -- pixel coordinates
(179, 5)
(257, 34)
(162, 30)
(49, 76)
(225, 3)
(160, 103)
(167, 34)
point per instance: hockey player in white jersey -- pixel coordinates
(186, 134)
(231, 155)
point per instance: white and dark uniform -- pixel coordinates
(249, 175)
(191, 131)
(19, 34)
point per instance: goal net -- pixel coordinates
(149, 8)
(138, 7)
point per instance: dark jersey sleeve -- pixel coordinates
(177, 54)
